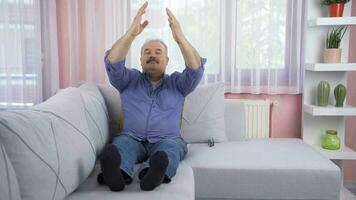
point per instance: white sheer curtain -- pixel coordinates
(75, 37)
(251, 45)
(50, 72)
(117, 21)
(265, 47)
(20, 53)
(254, 46)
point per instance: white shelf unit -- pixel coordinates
(344, 153)
(315, 119)
(323, 67)
(332, 21)
(330, 110)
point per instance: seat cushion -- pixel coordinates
(180, 188)
(263, 169)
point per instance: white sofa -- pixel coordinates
(50, 151)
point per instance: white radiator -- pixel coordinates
(257, 118)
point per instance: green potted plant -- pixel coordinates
(336, 7)
(332, 53)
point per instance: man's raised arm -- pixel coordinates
(190, 55)
(119, 50)
(118, 74)
(189, 79)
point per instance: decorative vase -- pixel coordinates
(330, 140)
(332, 55)
(336, 9)
(340, 94)
(323, 93)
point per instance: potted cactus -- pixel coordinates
(340, 94)
(336, 7)
(332, 53)
(323, 93)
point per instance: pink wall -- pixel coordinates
(350, 166)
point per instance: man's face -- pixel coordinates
(154, 58)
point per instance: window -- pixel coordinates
(19, 53)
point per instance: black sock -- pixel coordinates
(101, 181)
(142, 173)
(156, 172)
(110, 166)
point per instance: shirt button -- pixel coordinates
(154, 106)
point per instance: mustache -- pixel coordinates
(151, 59)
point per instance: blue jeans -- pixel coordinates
(133, 151)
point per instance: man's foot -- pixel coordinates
(100, 178)
(110, 166)
(144, 172)
(156, 172)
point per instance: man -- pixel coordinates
(152, 103)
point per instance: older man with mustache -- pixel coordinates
(152, 104)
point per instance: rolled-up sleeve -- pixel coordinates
(119, 75)
(189, 79)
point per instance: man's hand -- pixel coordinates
(121, 47)
(136, 27)
(175, 27)
(190, 55)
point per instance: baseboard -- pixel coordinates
(350, 184)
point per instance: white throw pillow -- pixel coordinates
(96, 114)
(235, 119)
(203, 114)
(112, 99)
(9, 187)
(52, 146)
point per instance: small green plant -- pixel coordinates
(334, 37)
(328, 2)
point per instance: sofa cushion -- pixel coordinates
(9, 187)
(112, 99)
(263, 169)
(180, 188)
(96, 113)
(51, 146)
(235, 119)
(203, 114)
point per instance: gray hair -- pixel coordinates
(155, 40)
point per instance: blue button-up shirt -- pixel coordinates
(152, 113)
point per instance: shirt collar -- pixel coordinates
(145, 74)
